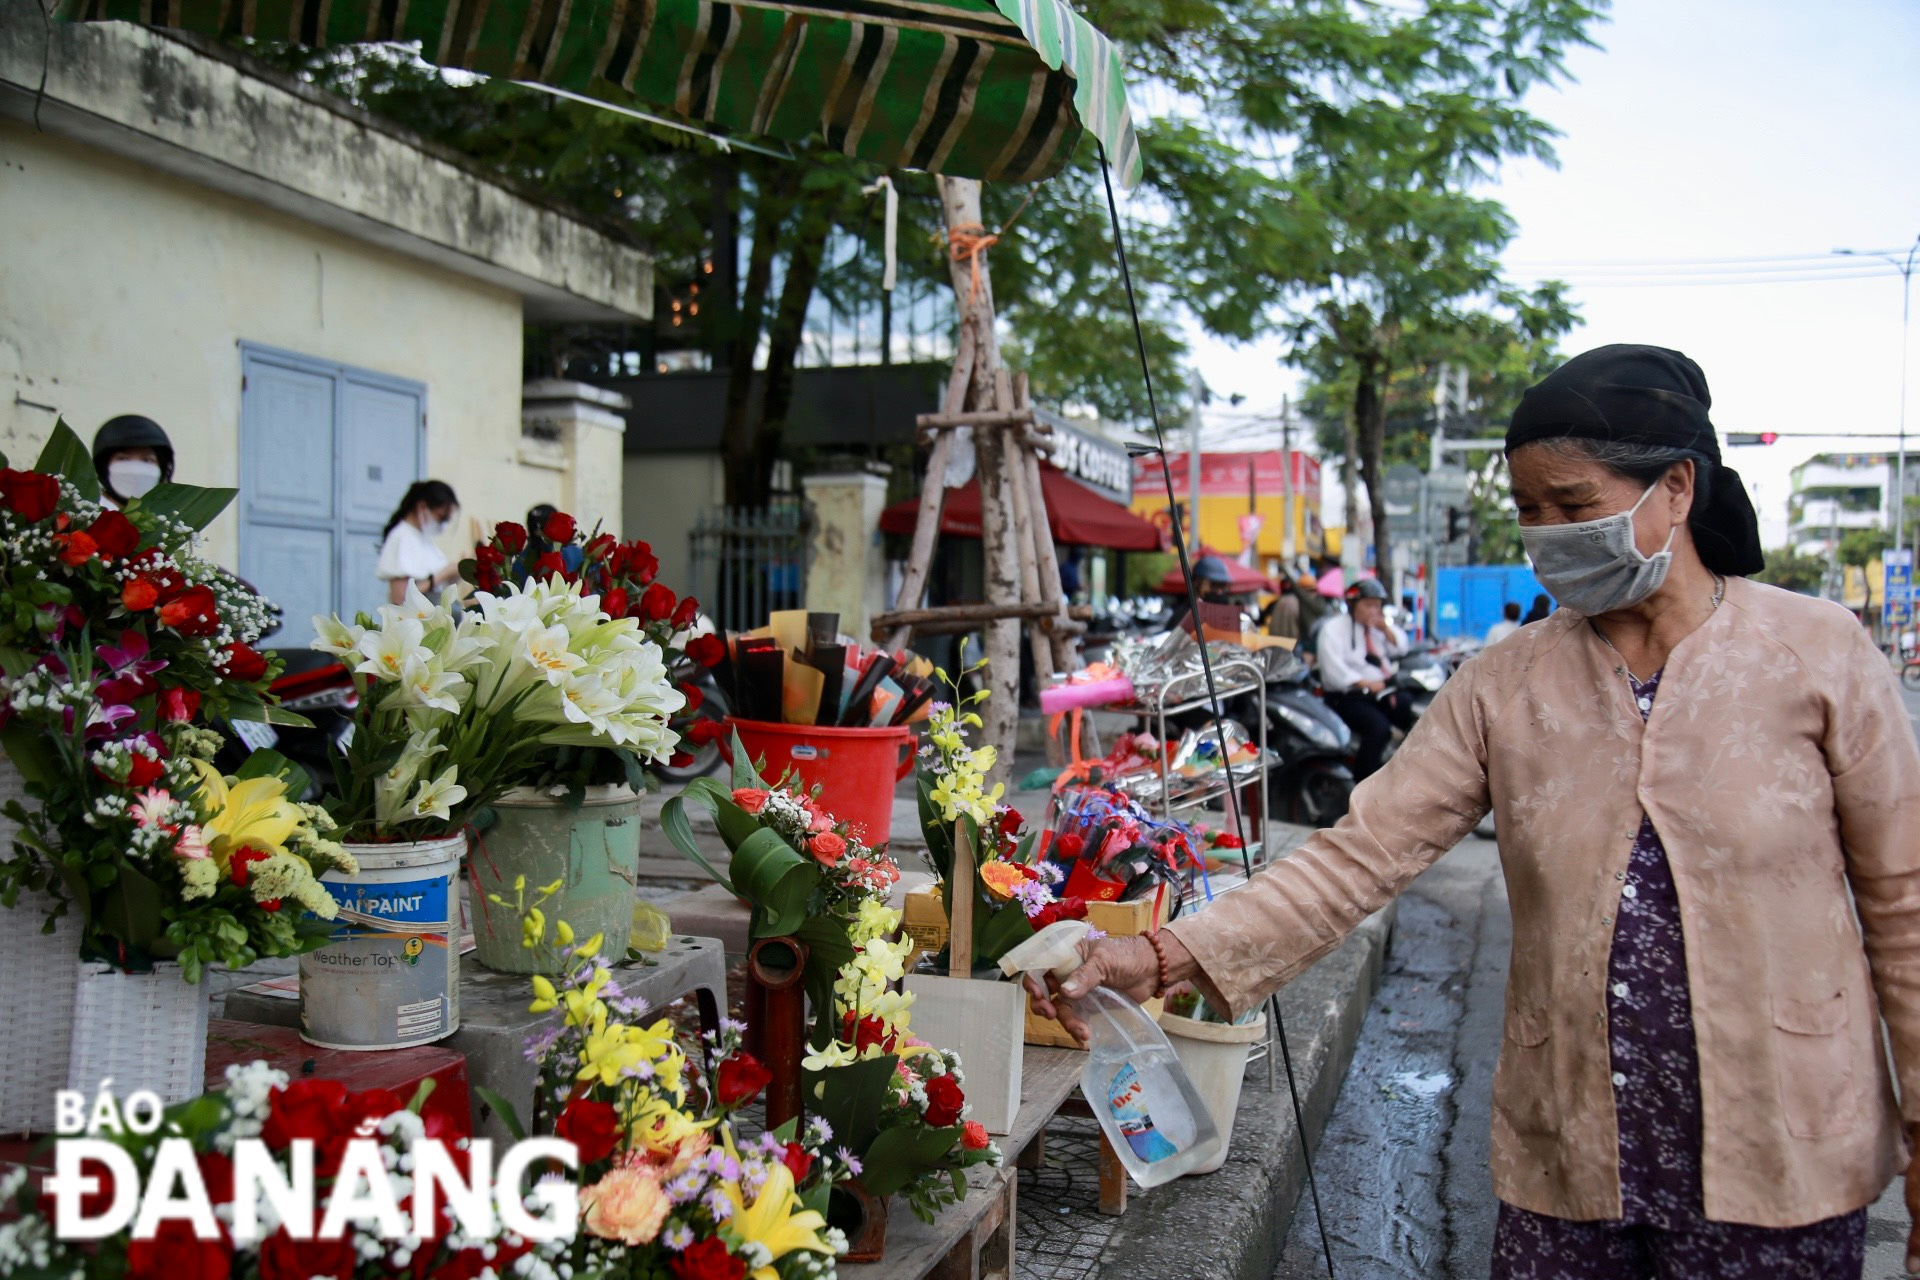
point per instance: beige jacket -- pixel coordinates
(1781, 772)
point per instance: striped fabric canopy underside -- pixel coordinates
(992, 89)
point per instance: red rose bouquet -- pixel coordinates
(116, 643)
(622, 576)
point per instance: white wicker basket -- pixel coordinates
(38, 1044)
(139, 1030)
(39, 974)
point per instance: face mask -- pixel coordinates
(433, 526)
(132, 477)
(1594, 567)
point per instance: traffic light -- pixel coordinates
(1456, 523)
(1752, 437)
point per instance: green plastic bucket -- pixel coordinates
(592, 849)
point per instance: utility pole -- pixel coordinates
(1905, 268)
(1193, 468)
(1286, 483)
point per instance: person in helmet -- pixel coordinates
(1212, 583)
(131, 455)
(1357, 649)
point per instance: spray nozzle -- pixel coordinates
(1055, 949)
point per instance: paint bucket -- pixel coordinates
(390, 978)
(591, 848)
(1215, 1057)
(856, 769)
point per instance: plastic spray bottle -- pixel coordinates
(1154, 1118)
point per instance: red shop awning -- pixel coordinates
(1240, 579)
(1077, 515)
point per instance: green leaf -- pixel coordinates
(271, 764)
(190, 504)
(421, 1094)
(776, 880)
(851, 1098)
(68, 457)
(504, 1109)
(132, 908)
(996, 932)
(744, 774)
(901, 1154)
(829, 949)
(32, 753)
(277, 714)
(673, 821)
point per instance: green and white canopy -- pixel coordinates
(992, 89)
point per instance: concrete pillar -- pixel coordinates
(585, 427)
(847, 573)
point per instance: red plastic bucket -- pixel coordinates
(856, 769)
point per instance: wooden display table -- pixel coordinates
(495, 1024)
(399, 1071)
(974, 1239)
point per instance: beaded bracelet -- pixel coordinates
(1160, 954)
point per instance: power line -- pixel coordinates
(1678, 262)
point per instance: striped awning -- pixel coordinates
(992, 89)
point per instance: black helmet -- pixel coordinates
(1366, 589)
(1211, 569)
(130, 431)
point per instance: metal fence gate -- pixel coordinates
(748, 563)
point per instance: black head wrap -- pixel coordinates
(1648, 396)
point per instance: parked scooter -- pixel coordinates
(1312, 781)
(317, 686)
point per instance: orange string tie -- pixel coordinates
(967, 244)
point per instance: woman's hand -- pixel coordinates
(1126, 965)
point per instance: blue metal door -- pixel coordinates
(326, 451)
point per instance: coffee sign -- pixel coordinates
(1098, 463)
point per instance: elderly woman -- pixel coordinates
(1705, 792)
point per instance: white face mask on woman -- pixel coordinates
(1595, 566)
(432, 525)
(132, 477)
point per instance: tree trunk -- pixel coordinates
(1370, 429)
(746, 473)
(960, 199)
(804, 260)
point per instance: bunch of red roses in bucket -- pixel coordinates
(669, 1188)
(624, 578)
(117, 643)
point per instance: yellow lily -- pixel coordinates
(774, 1221)
(254, 814)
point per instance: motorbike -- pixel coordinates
(1312, 779)
(315, 685)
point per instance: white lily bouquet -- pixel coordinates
(456, 707)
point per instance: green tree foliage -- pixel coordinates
(1788, 568)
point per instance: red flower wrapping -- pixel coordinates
(244, 663)
(559, 527)
(944, 1101)
(175, 1253)
(192, 613)
(284, 1258)
(592, 1127)
(741, 1078)
(31, 495)
(707, 650)
(512, 537)
(707, 1259)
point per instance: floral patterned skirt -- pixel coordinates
(1532, 1246)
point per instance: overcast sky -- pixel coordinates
(1705, 130)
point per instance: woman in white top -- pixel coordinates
(409, 555)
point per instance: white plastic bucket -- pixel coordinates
(1215, 1057)
(390, 978)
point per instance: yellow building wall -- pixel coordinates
(125, 290)
(1220, 521)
